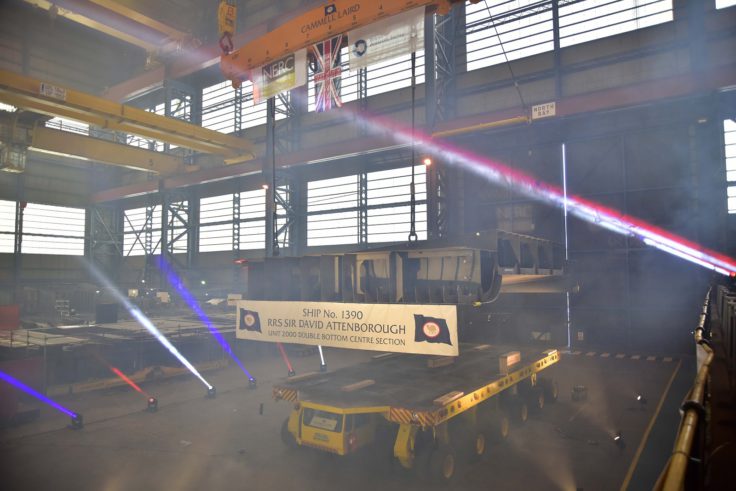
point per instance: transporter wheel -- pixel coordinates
(519, 410)
(503, 426)
(385, 450)
(470, 440)
(536, 400)
(423, 448)
(443, 463)
(480, 445)
(286, 435)
(550, 388)
(496, 424)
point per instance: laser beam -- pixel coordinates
(531, 187)
(31, 391)
(120, 374)
(128, 381)
(175, 281)
(144, 321)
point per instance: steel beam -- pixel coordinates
(45, 98)
(79, 146)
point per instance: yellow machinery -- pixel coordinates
(427, 413)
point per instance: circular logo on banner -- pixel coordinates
(249, 319)
(360, 47)
(431, 329)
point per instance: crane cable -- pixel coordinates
(412, 214)
(505, 56)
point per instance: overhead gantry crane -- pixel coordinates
(316, 25)
(53, 100)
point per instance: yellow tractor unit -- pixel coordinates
(426, 413)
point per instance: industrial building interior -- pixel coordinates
(560, 175)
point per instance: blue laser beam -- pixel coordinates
(145, 322)
(30, 390)
(176, 282)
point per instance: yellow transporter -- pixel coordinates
(428, 413)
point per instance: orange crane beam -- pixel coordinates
(316, 25)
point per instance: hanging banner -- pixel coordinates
(400, 328)
(279, 76)
(398, 35)
(328, 73)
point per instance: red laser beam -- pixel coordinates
(583, 209)
(128, 381)
(286, 358)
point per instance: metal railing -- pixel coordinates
(692, 431)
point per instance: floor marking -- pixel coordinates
(651, 358)
(636, 357)
(605, 355)
(620, 355)
(576, 352)
(667, 359)
(590, 353)
(643, 442)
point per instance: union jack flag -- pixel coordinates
(327, 73)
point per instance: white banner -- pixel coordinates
(279, 76)
(395, 36)
(401, 328)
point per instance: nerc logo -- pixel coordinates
(330, 9)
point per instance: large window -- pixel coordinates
(216, 223)
(394, 74)
(7, 225)
(500, 30)
(729, 138)
(219, 106)
(389, 204)
(497, 30)
(333, 207)
(595, 19)
(223, 111)
(332, 211)
(253, 219)
(53, 230)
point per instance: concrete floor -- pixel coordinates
(193, 443)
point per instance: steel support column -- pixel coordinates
(18, 238)
(443, 35)
(298, 226)
(269, 179)
(192, 229)
(236, 233)
(148, 242)
(105, 239)
(282, 137)
(363, 208)
(556, 47)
